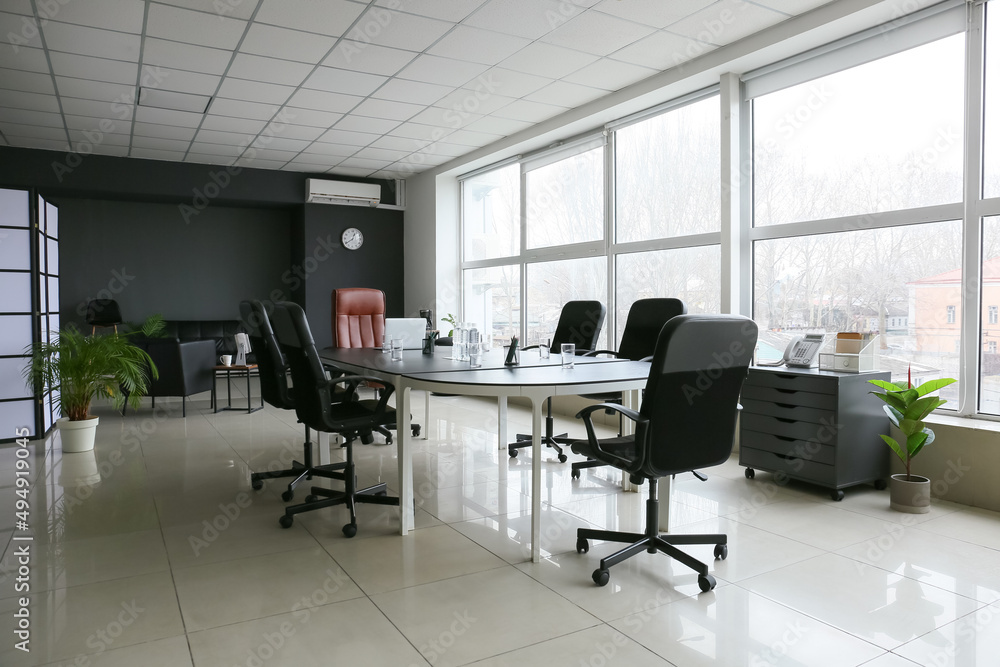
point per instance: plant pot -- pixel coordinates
(77, 436)
(911, 495)
(78, 469)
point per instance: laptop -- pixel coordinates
(411, 329)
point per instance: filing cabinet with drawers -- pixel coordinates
(815, 426)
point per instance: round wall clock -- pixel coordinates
(352, 238)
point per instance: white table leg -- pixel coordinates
(403, 446)
(502, 423)
(536, 480)
(630, 399)
(323, 442)
(427, 415)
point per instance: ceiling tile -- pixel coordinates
(241, 109)
(271, 70)
(254, 163)
(91, 41)
(221, 149)
(526, 18)
(254, 91)
(477, 45)
(367, 57)
(347, 138)
(401, 144)
(726, 21)
(45, 144)
(569, 94)
(205, 158)
(281, 143)
(388, 27)
(94, 90)
(180, 81)
(508, 83)
(421, 133)
(294, 132)
(184, 25)
(32, 101)
(387, 109)
(90, 123)
(26, 117)
(355, 123)
(98, 69)
(329, 17)
(437, 117)
(597, 33)
(322, 148)
(258, 153)
(305, 167)
(266, 40)
(661, 51)
(445, 71)
(654, 12)
(29, 82)
(159, 143)
(163, 131)
(350, 171)
(464, 100)
(121, 15)
(237, 9)
(154, 154)
(363, 163)
(343, 81)
(87, 137)
(470, 138)
(24, 58)
(310, 117)
(533, 112)
(168, 99)
(548, 60)
(494, 125)
(446, 10)
(792, 6)
(21, 7)
(19, 31)
(33, 131)
(231, 139)
(167, 117)
(401, 90)
(443, 148)
(323, 101)
(230, 124)
(610, 74)
(185, 56)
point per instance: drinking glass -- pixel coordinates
(568, 354)
(543, 348)
(397, 349)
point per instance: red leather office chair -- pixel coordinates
(357, 316)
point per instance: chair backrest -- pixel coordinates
(313, 392)
(271, 364)
(579, 323)
(692, 394)
(645, 320)
(103, 313)
(357, 317)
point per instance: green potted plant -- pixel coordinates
(907, 407)
(450, 320)
(79, 367)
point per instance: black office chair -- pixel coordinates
(645, 320)
(579, 323)
(316, 407)
(103, 313)
(275, 390)
(687, 421)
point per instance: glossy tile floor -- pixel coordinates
(153, 550)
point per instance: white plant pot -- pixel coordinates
(79, 469)
(77, 436)
(912, 496)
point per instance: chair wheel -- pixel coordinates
(287, 495)
(350, 530)
(256, 484)
(601, 577)
(415, 430)
(512, 452)
(880, 484)
(706, 582)
(575, 474)
(286, 521)
(311, 498)
(582, 546)
(388, 439)
(837, 494)
(721, 551)
(749, 473)
(563, 458)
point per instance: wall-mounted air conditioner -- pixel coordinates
(342, 192)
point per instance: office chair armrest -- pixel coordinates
(649, 358)
(594, 353)
(628, 465)
(530, 347)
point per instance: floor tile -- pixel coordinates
(970, 524)
(971, 641)
(884, 608)
(731, 626)
(172, 652)
(388, 563)
(509, 535)
(467, 618)
(627, 512)
(890, 660)
(824, 527)
(342, 633)
(249, 588)
(599, 645)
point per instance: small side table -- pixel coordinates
(229, 391)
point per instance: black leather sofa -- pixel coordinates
(186, 353)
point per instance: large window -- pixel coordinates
(882, 136)
(565, 201)
(491, 211)
(551, 284)
(493, 302)
(991, 129)
(989, 364)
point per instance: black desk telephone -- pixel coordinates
(801, 351)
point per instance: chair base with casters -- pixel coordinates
(549, 439)
(300, 471)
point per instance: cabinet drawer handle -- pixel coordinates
(787, 421)
(787, 457)
(785, 438)
(787, 406)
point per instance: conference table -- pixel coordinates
(534, 378)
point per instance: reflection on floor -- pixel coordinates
(153, 550)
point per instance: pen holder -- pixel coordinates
(508, 359)
(429, 342)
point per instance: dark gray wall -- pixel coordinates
(145, 257)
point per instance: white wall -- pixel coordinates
(430, 242)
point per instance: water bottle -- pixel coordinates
(458, 351)
(471, 340)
